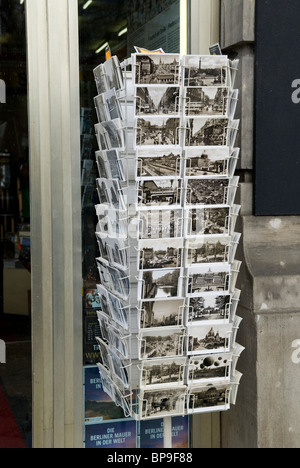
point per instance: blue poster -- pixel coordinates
(116, 434)
(98, 405)
(152, 433)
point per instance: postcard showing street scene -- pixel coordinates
(207, 191)
(209, 338)
(164, 342)
(161, 403)
(209, 307)
(208, 278)
(157, 69)
(158, 163)
(205, 71)
(159, 192)
(204, 221)
(161, 131)
(214, 396)
(155, 314)
(161, 224)
(209, 366)
(206, 101)
(161, 284)
(207, 249)
(160, 253)
(163, 372)
(207, 162)
(157, 100)
(205, 131)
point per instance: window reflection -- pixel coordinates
(15, 277)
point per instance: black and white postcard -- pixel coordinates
(103, 250)
(157, 100)
(114, 133)
(161, 131)
(102, 164)
(103, 320)
(214, 396)
(110, 193)
(112, 307)
(210, 338)
(157, 69)
(113, 73)
(104, 301)
(205, 70)
(100, 79)
(210, 101)
(118, 342)
(161, 224)
(154, 163)
(113, 250)
(118, 368)
(101, 108)
(120, 283)
(111, 221)
(155, 314)
(159, 192)
(110, 165)
(207, 249)
(208, 278)
(163, 372)
(209, 307)
(207, 162)
(104, 352)
(102, 137)
(119, 313)
(162, 342)
(209, 366)
(160, 253)
(202, 221)
(160, 284)
(207, 131)
(104, 273)
(112, 104)
(207, 191)
(113, 279)
(159, 403)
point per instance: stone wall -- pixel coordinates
(267, 414)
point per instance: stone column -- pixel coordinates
(267, 413)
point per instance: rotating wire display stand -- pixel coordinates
(166, 234)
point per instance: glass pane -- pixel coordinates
(15, 281)
(121, 25)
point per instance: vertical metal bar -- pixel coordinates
(53, 51)
(41, 237)
(168, 432)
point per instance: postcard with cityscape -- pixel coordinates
(207, 162)
(210, 338)
(205, 71)
(157, 69)
(156, 314)
(159, 403)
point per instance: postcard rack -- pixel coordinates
(166, 233)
